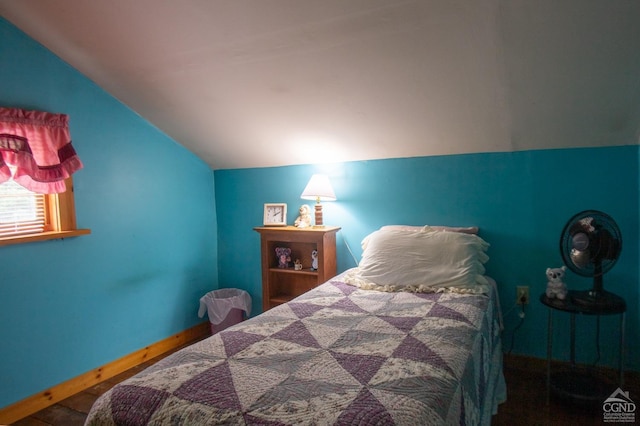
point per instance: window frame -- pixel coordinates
(60, 219)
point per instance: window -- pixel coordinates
(21, 211)
(36, 164)
(26, 216)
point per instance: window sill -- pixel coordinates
(43, 236)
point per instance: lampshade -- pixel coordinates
(318, 189)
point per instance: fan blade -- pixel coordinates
(580, 258)
(608, 246)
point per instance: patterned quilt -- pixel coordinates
(335, 355)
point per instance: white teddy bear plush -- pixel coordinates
(304, 220)
(556, 288)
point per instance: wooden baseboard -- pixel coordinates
(41, 400)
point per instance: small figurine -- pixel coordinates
(304, 220)
(297, 265)
(314, 260)
(555, 286)
(284, 257)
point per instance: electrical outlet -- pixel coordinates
(522, 295)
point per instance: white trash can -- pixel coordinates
(225, 307)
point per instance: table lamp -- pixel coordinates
(318, 189)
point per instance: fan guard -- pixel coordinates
(590, 244)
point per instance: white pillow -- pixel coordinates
(464, 230)
(424, 261)
(423, 228)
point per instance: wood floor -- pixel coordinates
(527, 398)
(525, 405)
(73, 410)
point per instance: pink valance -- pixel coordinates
(37, 145)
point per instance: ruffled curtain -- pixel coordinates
(37, 145)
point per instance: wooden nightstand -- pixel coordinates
(279, 285)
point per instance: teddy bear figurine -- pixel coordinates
(284, 257)
(556, 288)
(304, 220)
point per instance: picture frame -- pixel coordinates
(275, 214)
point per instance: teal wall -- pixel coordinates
(521, 201)
(69, 306)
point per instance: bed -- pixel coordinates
(354, 350)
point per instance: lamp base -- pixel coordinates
(318, 208)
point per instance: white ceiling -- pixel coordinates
(256, 83)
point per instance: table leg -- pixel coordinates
(549, 350)
(621, 365)
(572, 348)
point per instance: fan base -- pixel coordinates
(602, 301)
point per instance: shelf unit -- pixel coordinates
(279, 285)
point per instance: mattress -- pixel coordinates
(337, 354)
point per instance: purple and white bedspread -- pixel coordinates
(335, 355)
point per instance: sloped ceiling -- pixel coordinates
(256, 83)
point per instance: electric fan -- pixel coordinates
(590, 244)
